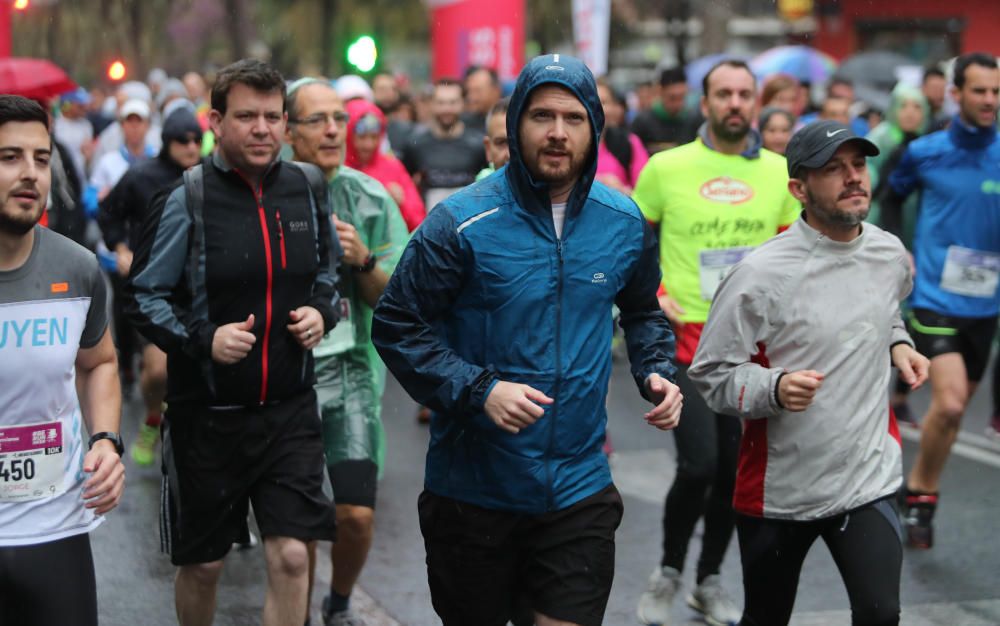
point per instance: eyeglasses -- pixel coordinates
(189, 139)
(321, 120)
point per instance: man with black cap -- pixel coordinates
(498, 318)
(121, 217)
(796, 345)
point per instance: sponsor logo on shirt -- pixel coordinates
(60, 287)
(727, 190)
(298, 226)
(599, 278)
(990, 186)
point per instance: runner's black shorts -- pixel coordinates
(48, 583)
(217, 461)
(484, 565)
(972, 337)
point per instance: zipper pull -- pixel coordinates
(559, 249)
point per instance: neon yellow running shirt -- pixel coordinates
(712, 208)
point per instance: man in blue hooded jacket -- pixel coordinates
(956, 249)
(498, 318)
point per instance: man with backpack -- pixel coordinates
(235, 279)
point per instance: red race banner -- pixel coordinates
(476, 32)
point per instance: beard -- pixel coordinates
(18, 221)
(558, 175)
(730, 134)
(18, 225)
(835, 216)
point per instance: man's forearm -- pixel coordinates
(101, 399)
(372, 284)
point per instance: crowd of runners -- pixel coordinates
(263, 251)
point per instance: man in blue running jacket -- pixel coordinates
(956, 249)
(498, 318)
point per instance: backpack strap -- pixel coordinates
(317, 182)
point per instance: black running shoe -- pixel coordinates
(919, 519)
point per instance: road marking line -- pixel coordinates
(963, 447)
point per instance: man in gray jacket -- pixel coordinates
(796, 345)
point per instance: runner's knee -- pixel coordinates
(950, 407)
(287, 557)
(354, 521)
(203, 574)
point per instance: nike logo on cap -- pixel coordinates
(831, 134)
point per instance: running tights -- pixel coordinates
(707, 449)
(48, 583)
(866, 546)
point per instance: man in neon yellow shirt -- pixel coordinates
(714, 200)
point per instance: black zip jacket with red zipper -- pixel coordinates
(242, 249)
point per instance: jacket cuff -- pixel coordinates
(326, 310)
(481, 389)
(777, 383)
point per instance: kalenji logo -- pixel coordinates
(725, 189)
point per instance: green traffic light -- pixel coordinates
(363, 53)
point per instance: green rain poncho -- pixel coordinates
(350, 375)
(888, 137)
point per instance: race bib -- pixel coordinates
(32, 465)
(713, 265)
(341, 338)
(970, 272)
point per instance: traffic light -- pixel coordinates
(363, 54)
(116, 71)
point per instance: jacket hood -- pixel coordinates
(904, 93)
(571, 73)
(359, 109)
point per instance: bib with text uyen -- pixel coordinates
(31, 462)
(970, 272)
(713, 265)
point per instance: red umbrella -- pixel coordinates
(33, 78)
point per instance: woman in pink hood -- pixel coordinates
(365, 135)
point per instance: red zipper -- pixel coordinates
(281, 240)
(258, 196)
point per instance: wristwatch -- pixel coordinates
(114, 438)
(365, 267)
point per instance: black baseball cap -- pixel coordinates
(814, 144)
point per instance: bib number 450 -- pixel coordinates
(17, 470)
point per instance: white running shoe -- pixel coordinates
(712, 601)
(656, 602)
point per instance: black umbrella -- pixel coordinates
(874, 68)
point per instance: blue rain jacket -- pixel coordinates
(486, 291)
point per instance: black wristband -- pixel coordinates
(777, 384)
(365, 267)
(114, 438)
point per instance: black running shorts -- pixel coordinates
(354, 482)
(484, 566)
(48, 583)
(972, 337)
(217, 461)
